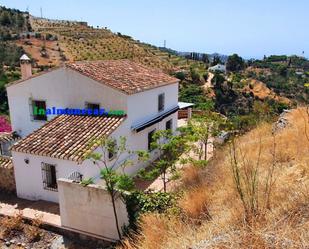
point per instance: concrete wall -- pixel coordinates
(89, 210)
(61, 88)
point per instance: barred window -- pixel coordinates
(49, 176)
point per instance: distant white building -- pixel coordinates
(54, 146)
(218, 67)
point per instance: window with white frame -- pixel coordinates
(161, 102)
(38, 108)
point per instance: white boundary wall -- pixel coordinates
(88, 210)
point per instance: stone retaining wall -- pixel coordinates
(7, 178)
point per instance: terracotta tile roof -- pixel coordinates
(6, 162)
(8, 136)
(124, 75)
(68, 136)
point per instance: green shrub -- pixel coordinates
(139, 202)
(180, 75)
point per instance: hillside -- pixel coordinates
(285, 75)
(51, 43)
(13, 22)
(271, 170)
(78, 41)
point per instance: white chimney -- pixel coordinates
(25, 66)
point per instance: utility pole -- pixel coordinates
(164, 43)
(41, 10)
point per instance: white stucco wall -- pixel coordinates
(61, 88)
(29, 181)
(144, 105)
(28, 177)
(90, 210)
(64, 88)
(139, 140)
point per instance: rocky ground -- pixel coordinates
(17, 234)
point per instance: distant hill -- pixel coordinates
(199, 56)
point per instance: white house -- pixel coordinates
(218, 67)
(53, 146)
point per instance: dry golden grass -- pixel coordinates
(195, 204)
(33, 232)
(191, 177)
(284, 223)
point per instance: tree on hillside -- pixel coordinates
(205, 58)
(218, 79)
(5, 19)
(193, 93)
(1, 69)
(170, 147)
(234, 63)
(202, 128)
(180, 75)
(216, 60)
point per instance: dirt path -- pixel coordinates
(47, 212)
(209, 79)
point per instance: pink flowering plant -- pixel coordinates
(4, 125)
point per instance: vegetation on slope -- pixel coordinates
(12, 22)
(253, 194)
(81, 42)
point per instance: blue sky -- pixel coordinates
(250, 28)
